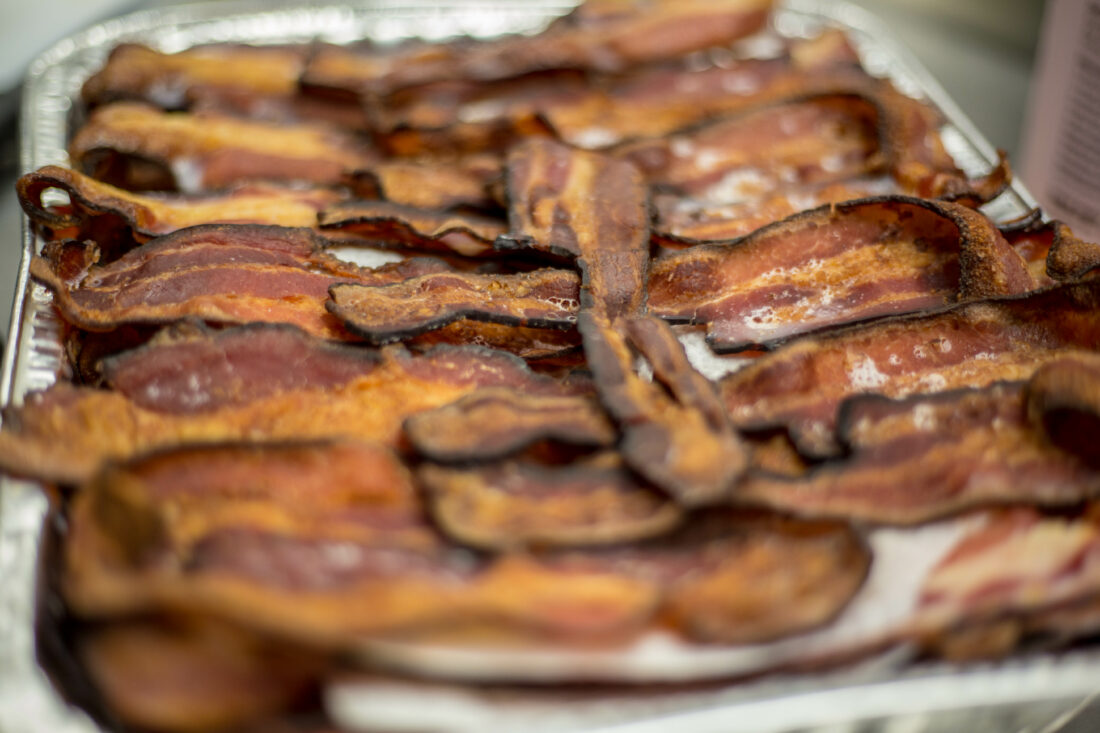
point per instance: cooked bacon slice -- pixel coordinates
(819, 138)
(858, 127)
(318, 542)
(1070, 258)
(836, 264)
(675, 432)
(196, 369)
(731, 577)
(601, 35)
(655, 101)
(147, 216)
(927, 456)
(431, 183)
(257, 82)
(220, 272)
(516, 504)
(967, 345)
(138, 147)
(1064, 398)
(597, 111)
(587, 206)
(1019, 563)
(545, 298)
(171, 80)
(495, 422)
(387, 224)
(65, 433)
(189, 673)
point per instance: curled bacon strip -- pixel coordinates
(607, 36)
(496, 422)
(515, 504)
(969, 345)
(387, 224)
(928, 456)
(836, 264)
(1064, 398)
(224, 273)
(65, 433)
(675, 432)
(587, 206)
(545, 298)
(140, 148)
(93, 203)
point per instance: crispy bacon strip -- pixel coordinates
(968, 345)
(197, 369)
(224, 273)
(1019, 563)
(836, 264)
(138, 147)
(600, 35)
(587, 206)
(495, 422)
(93, 204)
(65, 433)
(191, 674)
(516, 504)
(318, 542)
(545, 298)
(388, 225)
(728, 577)
(679, 439)
(1064, 398)
(1070, 258)
(928, 456)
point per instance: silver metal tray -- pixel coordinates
(1026, 693)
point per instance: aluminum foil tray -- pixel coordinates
(1037, 693)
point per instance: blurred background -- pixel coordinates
(981, 51)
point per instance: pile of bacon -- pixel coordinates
(671, 326)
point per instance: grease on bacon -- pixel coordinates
(973, 344)
(836, 264)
